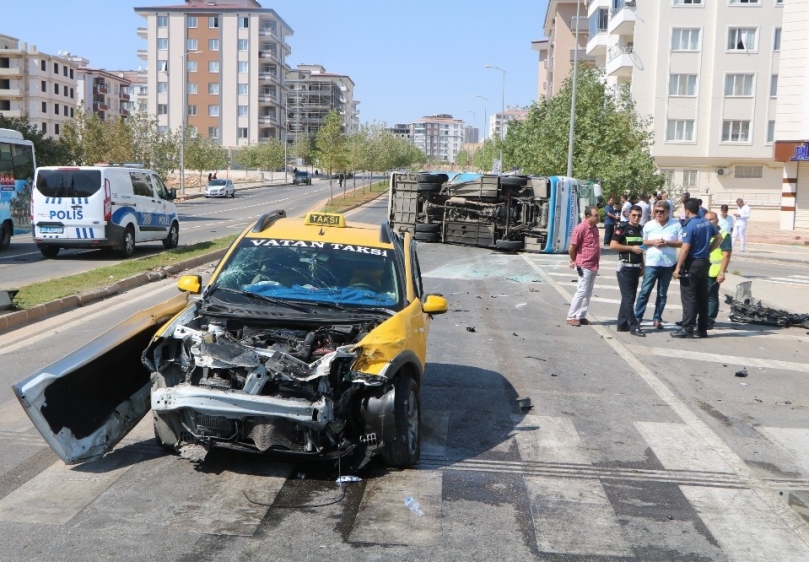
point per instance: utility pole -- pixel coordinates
(573, 96)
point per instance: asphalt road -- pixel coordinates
(635, 448)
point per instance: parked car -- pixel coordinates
(302, 176)
(310, 341)
(220, 188)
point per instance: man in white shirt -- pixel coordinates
(625, 206)
(725, 220)
(664, 196)
(645, 209)
(662, 238)
(740, 225)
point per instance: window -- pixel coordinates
(736, 131)
(683, 85)
(243, 111)
(243, 66)
(44, 128)
(42, 65)
(163, 65)
(191, 65)
(64, 112)
(770, 131)
(56, 108)
(776, 40)
(213, 44)
(162, 21)
(749, 172)
(191, 21)
(739, 85)
(243, 44)
(44, 86)
(56, 68)
(244, 23)
(242, 132)
(162, 44)
(244, 89)
(690, 179)
(191, 45)
(213, 111)
(213, 66)
(213, 88)
(143, 90)
(163, 129)
(687, 2)
(192, 87)
(71, 74)
(71, 93)
(162, 109)
(44, 107)
(56, 88)
(682, 130)
(64, 71)
(685, 40)
(213, 132)
(192, 110)
(773, 85)
(744, 2)
(742, 39)
(162, 87)
(213, 22)
(71, 112)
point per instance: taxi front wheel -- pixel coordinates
(405, 448)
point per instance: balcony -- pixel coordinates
(266, 98)
(99, 89)
(583, 56)
(11, 71)
(266, 32)
(11, 113)
(124, 97)
(584, 25)
(268, 54)
(11, 93)
(594, 5)
(597, 45)
(622, 18)
(143, 33)
(143, 54)
(267, 120)
(100, 107)
(268, 76)
(125, 112)
(620, 62)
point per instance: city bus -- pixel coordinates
(17, 165)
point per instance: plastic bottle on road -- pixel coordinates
(414, 506)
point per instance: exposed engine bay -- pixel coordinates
(284, 389)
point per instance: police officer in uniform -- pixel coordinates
(692, 269)
(628, 241)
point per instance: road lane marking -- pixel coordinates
(549, 439)
(677, 447)
(769, 496)
(383, 518)
(744, 526)
(691, 355)
(792, 440)
(574, 517)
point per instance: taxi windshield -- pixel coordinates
(317, 272)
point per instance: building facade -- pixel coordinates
(471, 134)
(221, 65)
(104, 93)
(36, 85)
(440, 136)
(556, 53)
(498, 122)
(313, 93)
(402, 130)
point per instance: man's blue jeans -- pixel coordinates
(652, 275)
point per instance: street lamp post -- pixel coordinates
(184, 114)
(572, 126)
(502, 115)
(485, 101)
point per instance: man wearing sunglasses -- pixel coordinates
(628, 242)
(661, 236)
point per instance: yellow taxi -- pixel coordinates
(309, 340)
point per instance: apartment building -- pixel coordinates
(556, 53)
(439, 136)
(498, 122)
(221, 64)
(402, 130)
(36, 85)
(104, 93)
(471, 135)
(313, 93)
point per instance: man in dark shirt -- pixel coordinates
(628, 241)
(693, 264)
(611, 218)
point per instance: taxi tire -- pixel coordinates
(432, 178)
(405, 448)
(5, 235)
(427, 236)
(127, 248)
(49, 252)
(173, 237)
(428, 227)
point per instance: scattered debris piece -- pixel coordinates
(724, 364)
(553, 374)
(536, 358)
(414, 506)
(742, 373)
(520, 306)
(787, 402)
(758, 400)
(470, 329)
(744, 309)
(347, 479)
(524, 404)
(743, 383)
(514, 333)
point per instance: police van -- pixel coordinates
(101, 207)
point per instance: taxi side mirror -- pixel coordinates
(434, 304)
(191, 283)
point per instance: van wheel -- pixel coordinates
(173, 238)
(127, 243)
(49, 252)
(5, 236)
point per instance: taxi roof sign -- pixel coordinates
(325, 219)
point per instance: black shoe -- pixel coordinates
(710, 325)
(637, 332)
(683, 333)
(701, 334)
(678, 323)
(622, 329)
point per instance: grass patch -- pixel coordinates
(354, 197)
(46, 291)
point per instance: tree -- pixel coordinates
(330, 146)
(301, 148)
(612, 142)
(47, 151)
(201, 153)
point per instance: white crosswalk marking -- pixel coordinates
(793, 440)
(549, 439)
(383, 518)
(788, 281)
(719, 358)
(745, 527)
(677, 447)
(575, 517)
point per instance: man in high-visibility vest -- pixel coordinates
(720, 258)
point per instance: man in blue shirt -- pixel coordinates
(693, 265)
(611, 218)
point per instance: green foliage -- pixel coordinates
(612, 142)
(201, 153)
(265, 155)
(484, 158)
(47, 151)
(302, 148)
(330, 146)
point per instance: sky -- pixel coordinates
(408, 59)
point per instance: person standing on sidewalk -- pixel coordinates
(661, 237)
(625, 206)
(720, 259)
(611, 218)
(740, 225)
(646, 209)
(699, 240)
(585, 255)
(725, 220)
(628, 241)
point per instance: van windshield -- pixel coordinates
(68, 182)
